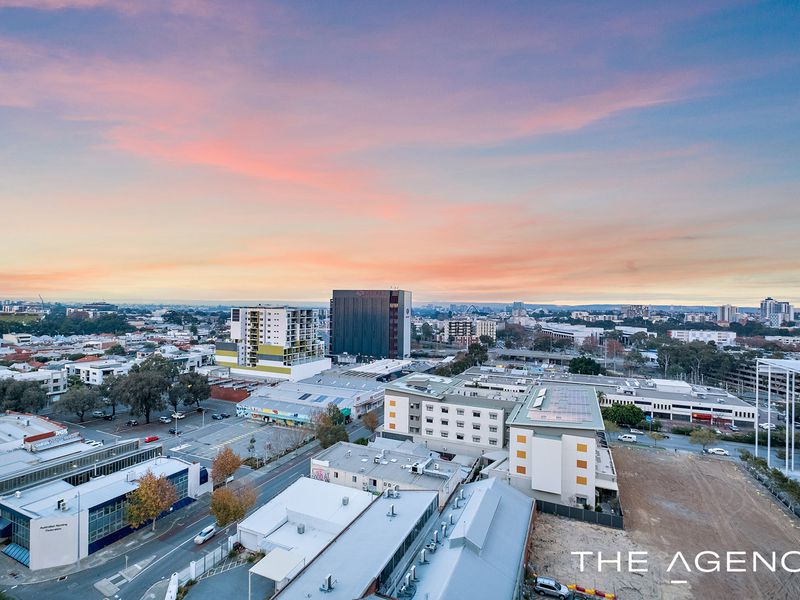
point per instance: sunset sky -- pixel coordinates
(482, 151)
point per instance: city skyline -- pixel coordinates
(467, 152)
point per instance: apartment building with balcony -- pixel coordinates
(720, 338)
(557, 450)
(273, 341)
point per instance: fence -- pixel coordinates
(208, 561)
(780, 495)
(581, 514)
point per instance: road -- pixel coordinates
(172, 547)
(682, 443)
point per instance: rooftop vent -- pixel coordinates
(17, 494)
(327, 584)
(301, 528)
(345, 500)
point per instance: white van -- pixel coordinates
(627, 437)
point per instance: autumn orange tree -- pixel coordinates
(370, 420)
(229, 505)
(154, 495)
(225, 464)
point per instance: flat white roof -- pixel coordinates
(356, 556)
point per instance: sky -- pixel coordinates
(618, 152)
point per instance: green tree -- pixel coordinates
(702, 437)
(656, 437)
(585, 366)
(226, 463)
(370, 421)
(143, 391)
(178, 394)
(110, 391)
(116, 350)
(158, 364)
(329, 426)
(154, 495)
(623, 414)
(197, 387)
(486, 340)
(80, 400)
(427, 332)
(22, 396)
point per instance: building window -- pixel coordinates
(521, 470)
(391, 426)
(460, 424)
(459, 411)
(445, 410)
(355, 479)
(476, 414)
(583, 448)
(445, 422)
(521, 439)
(522, 454)
(476, 426)
(429, 407)
(580, 480)
(459, 436)
(476, 439)
(429, 419)
(336, 474)
(443, 434)
(582, 464)
(493, 428)
(392, 415)
(493, 416)
(392, 403)
(492, 442)
(429, 432)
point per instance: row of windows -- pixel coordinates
(20, 527)
(460, 436)
(460, 424)
(460, 411)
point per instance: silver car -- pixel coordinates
(545, 586)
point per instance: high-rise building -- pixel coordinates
(271, 341)
(726, 313)
(371, 323)
(776, 312)
(635, 311)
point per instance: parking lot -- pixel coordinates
(678, 503)
(201, 437)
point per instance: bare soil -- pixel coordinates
(673, 503)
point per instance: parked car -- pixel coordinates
(94, 443)
(131, 422)
(766, 426)
(733, 428)
(224, 415)
(718, 451)
(205, 534)
(637, 432)
(150, 438)
(178, 415)
(544, 586)
(627, 437)
(174, 431)
(165, 420)
(109, 417)
(217, 417)
(98, 413)
(718, 432)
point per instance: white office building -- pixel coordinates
(376, 470)
(720, 338)
(95, 372)
(577, 334)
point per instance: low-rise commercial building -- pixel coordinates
(576, 334)
(403, 547)
(58, 523)
(94, 372)
(295, 526)
(53, 382)
(372, 470)
(720, 338)
(667, 398)
(17, 338)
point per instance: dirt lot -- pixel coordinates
(683, 503)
